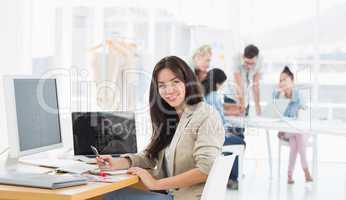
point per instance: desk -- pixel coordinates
(313, 127)
(89, 191)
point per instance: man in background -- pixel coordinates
(247, 75)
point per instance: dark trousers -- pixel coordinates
(234, 139)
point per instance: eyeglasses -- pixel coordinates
(164, 87)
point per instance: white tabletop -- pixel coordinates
(329, 127)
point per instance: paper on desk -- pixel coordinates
(85, 159)
(109, 172)
(105, 179)
(77, 168)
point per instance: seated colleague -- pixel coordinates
(187, 137)
(201, 60)
(296, 141)
(214, 80)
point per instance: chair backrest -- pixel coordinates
(304, 115)
(215, 187)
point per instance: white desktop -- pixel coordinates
(33, 120)
(33, 126)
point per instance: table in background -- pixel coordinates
(313, 128)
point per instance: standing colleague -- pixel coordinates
(247, 75)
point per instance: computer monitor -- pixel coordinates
(112, 133)
(33, 120)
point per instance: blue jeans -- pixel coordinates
(234, 139)
(135, 194)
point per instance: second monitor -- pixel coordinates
(112, 133)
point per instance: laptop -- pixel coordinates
(275, 109)
(112, 133)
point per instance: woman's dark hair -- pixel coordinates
(214, 76)
(164, 118)
(288, 72)
(251, 51)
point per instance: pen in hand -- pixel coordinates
(105, 162)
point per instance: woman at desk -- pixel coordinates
(296, 141)
(187, 137)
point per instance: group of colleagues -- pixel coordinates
(189, 125)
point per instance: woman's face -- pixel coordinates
(171, 89)
(286, 83)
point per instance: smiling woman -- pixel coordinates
(168, 103)
(187, 137)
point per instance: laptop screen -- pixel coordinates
(112, 133)
(276, 109)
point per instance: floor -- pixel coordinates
(330, 184)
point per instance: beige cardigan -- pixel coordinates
(197, 141)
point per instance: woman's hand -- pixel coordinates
(147, 179)
(105, 162)
(109, 163)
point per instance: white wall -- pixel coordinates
(43, 28)
(15, 34)
(27, 31)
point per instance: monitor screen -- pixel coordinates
(111, 133)
(37, 112)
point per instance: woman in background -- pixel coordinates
(201, 60)
(297, 142)
(213, 82)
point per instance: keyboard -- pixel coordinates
(62, 165)
(47, 162)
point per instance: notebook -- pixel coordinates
(62, 165)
